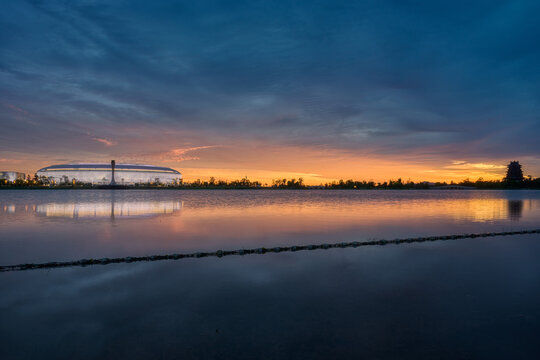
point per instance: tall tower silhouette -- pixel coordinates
(113, 164)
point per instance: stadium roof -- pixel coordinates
(101, 167)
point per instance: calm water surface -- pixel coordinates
(471, 298)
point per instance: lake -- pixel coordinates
(460, 299)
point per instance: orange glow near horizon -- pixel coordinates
(267, 162)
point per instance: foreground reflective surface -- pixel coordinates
(474, 298)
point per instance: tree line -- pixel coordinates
(246, 183)
(528, 183)
(514, 179)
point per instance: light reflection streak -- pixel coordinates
(110, 209)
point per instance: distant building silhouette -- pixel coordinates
(514, 172)
(11, 176)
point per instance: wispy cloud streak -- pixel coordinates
(105, 142)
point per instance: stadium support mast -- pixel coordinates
(113, 163)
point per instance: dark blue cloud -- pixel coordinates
(448, 80)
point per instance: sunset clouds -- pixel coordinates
(370, 90)
(105, 141)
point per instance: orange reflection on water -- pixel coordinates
(224, 220)
(266, 221)
(475, 210)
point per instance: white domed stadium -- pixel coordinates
(110, 174)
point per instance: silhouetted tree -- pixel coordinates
(514, 173)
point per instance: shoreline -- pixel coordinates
(251, 188)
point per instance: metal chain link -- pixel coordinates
(262, 250)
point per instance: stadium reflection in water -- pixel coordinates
(112, 209)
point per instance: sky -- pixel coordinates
(369, 90)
